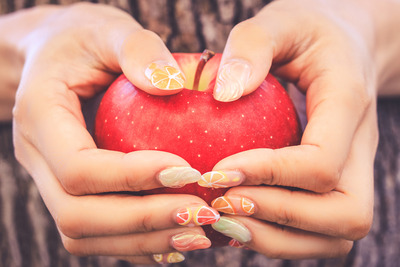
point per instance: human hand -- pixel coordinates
(326, 48)
(72, 53)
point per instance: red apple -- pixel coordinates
(193, 125)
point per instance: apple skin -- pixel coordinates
(195, 126)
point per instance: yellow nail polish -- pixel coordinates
(221, 179)
(165, 76)
(172, 257)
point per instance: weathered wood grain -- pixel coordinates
(28, 236)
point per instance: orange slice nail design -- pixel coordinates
(234, 205)
(220, 179)
(247, 206)
(184, 216)
(165, 77)
(202, 215)
(223, 204)
(172, 257)
(205, 215)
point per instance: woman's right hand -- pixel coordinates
(72, 53)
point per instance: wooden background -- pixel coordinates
(28, 236)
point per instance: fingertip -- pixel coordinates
(148, 64)
(245, 62)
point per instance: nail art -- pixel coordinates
(221, 179)
(235, 244)
(190, 241)
(232, 228)
(165, 76)
(232, 80)
(176, 177)
(195, 216)
(234, 205)
(172, 257)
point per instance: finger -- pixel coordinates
(123, 45)
(147, 62)
(80, 216)
(245, 61)
(140, 244)
(276, 241)
(345, 212)
(172, 257)
(317, 163)
(57, 129)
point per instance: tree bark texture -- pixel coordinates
(28, 236)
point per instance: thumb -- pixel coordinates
(148, 64)
(245, 62)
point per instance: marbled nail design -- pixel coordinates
(176, 177)
(232, 80)
(190, 241)
(221, 179)
(172, 257)
(234, 205)
(195, 216)
(165, 76)
(232, 228)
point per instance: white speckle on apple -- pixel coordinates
(274, 107)
(206, 131)
(217, 107)
(279, 101)
(116, 117)
(264, 118)
(155, 148)
(105, 121)
(271, 137)
(157, 128)
(128, 113)
(132, 122)
(108, 135)
(191, 141)
(188, 102)
(134, 146)
(274, 85)
(141, 107)
(122, 140)
(260, 95)
(210, 145)
(288, 109)
(288, 118)
(242, 115)
(198, 155)
(254, 141)
(179, 137)
(241, 146)
(192, 110)
(224, 140)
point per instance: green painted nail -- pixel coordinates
(232, 228)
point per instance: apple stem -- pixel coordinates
(205, 56)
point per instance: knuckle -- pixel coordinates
(327, 175)
(247, 28)
(69, 224)
(146, 223)
(72, 246)
(359, 223)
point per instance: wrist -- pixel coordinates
(386, 49)
(14, 29)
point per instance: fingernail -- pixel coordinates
(178, 176)
(165, 76)
(232, 228)
(190, 241)
(221, 179)
(235, 244)
(234, 205)
(232, 80)
(172, 257)
(195, 216)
